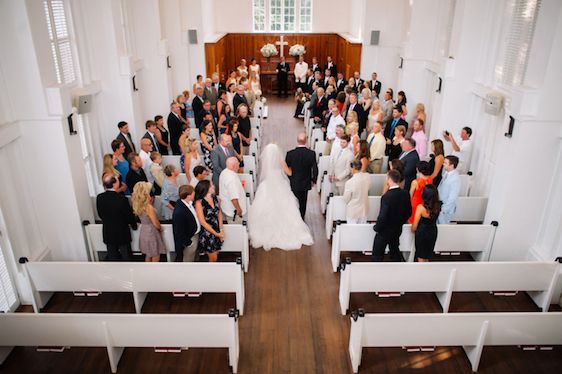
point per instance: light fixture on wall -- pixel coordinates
(439, 85)
(135, 83)
(401, 63)
(509, 132)
(168, 62)
(71, 124)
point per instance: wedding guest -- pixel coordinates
(222, 101)
(387, 107)
(190, 157)
(117, 216)
(125, 137)
(352, 129)
(351, 118)
(449, 189)
(162, 135)
(231, 91)
(136, 173)
(416, 188)
(300, 100)
(340, 165)
(151, 135)
(169, 191)
(146, 150)
(197, 105)
(397, 120)
(198, 82)
(219, 155)
(210, 93)
(401, 103)
(375, 114)
(336, 144)
(151, 243)
(351, 84)
(224, 119)
(301, 68)
(375, 85)
(186, 226)
(109, 163)
(421, 139)
(157, 172)
(394, 212)
(356, 194)
(239, 98)
(315, 66)
(244, 127)
(232, 80)
(242, 69)
(394, 146)
(209, 215)
(208, 141)
(424, 224)
(362, 154)
(254, 69)
(180, 99)
(236, 141)
(340, 100)
(219, 86)
(420, 113)
(327, 76)
(398, 166)
(358, 81)
(319, 106)
(354, 106)
(175, 127)
(331, 91)
(207, 113)
(462, 148)
(200, 173)
(232, 195)
(122, 164)
(188, 108)
(340, 83)
(330, 65)
(282, 75)
(436, 161)
(410, 158)
(377, 146)
(335, 120)
(366, 100)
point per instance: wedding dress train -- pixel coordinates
(274, 219)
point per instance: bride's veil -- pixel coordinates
(271, 162)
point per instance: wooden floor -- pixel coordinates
(292, 322)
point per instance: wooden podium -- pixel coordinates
(268, 75)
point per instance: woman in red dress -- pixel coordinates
(424, 178)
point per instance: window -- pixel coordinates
(282, 15)
(61, 48)
(8, 298)
(518, 41)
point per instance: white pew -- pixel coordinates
(326, 190)
(235, 240)
(253, 149)
(138, 278)
(477, 240)
(248, 183)
(309, 127)
(319, 149)
(384, 168)
(469, 209)
(306, 113)
(323, 165)
(472, 331)
(316, 136)
(377, 184)
(172, 160)
(117, 331)
(250, 166)
(444, 278)
(465, 184)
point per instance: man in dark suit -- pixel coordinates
(197, 106)
(331, 66)
(315, 66)
(358, 82)
(357, 108)
(126, 138)
(309, 81)
(136, 174)
(217, 84)
(175, 127)
(239, 98)
(304, 171)
(340, 83)
(282, 76)
(116, 214)
(410, 158)
(186, 226)
(375, 85)
(319, 106)
(395, 211)
(151, 135)
(396, 121)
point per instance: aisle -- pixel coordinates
(292, 323)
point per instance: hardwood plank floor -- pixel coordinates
(292, 322)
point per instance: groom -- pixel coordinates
(302, 162)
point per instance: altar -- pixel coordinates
(268, 75)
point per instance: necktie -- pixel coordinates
(372, 140)
(226, 152)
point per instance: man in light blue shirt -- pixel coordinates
(449, 189)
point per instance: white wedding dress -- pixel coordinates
(274, 217)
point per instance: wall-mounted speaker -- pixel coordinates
(84, 104)
(192, 36)
(375, 35)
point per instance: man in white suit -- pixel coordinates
(340, 165)
(356, 195)
(300, 73)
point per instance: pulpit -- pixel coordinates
(268, 76)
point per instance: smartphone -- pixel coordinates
(447, 133)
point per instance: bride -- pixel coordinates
(274, 217)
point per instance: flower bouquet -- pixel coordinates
(268, 50)
(297, 50)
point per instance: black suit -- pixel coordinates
(282, 77)
(358, 83)
(389, 129)
(361, 116)
(410, 164)
(239, 99)
(184, 226)
(128, 148)
(116, 214)
(315, 68)
(395, 211)
(219, 86)
(308, 84)
(341, 85)
(134, 177)
(302, 162)
(197, 106)
(375, 86)
(318, 108)
(175, 127)
(333, 69)
(155, 145)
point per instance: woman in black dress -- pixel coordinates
(236, 142)
(436, 161)
(425, 223)
(393, 147)
(210, 217)
(162, 135)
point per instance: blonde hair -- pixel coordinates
(420, 107)
(352, 126)
(365, 92)
(108, 167)
(187, 145)
(141, 197)
(354, 118)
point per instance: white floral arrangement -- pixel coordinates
(297, 50)
(263, 100)
(269, 50)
